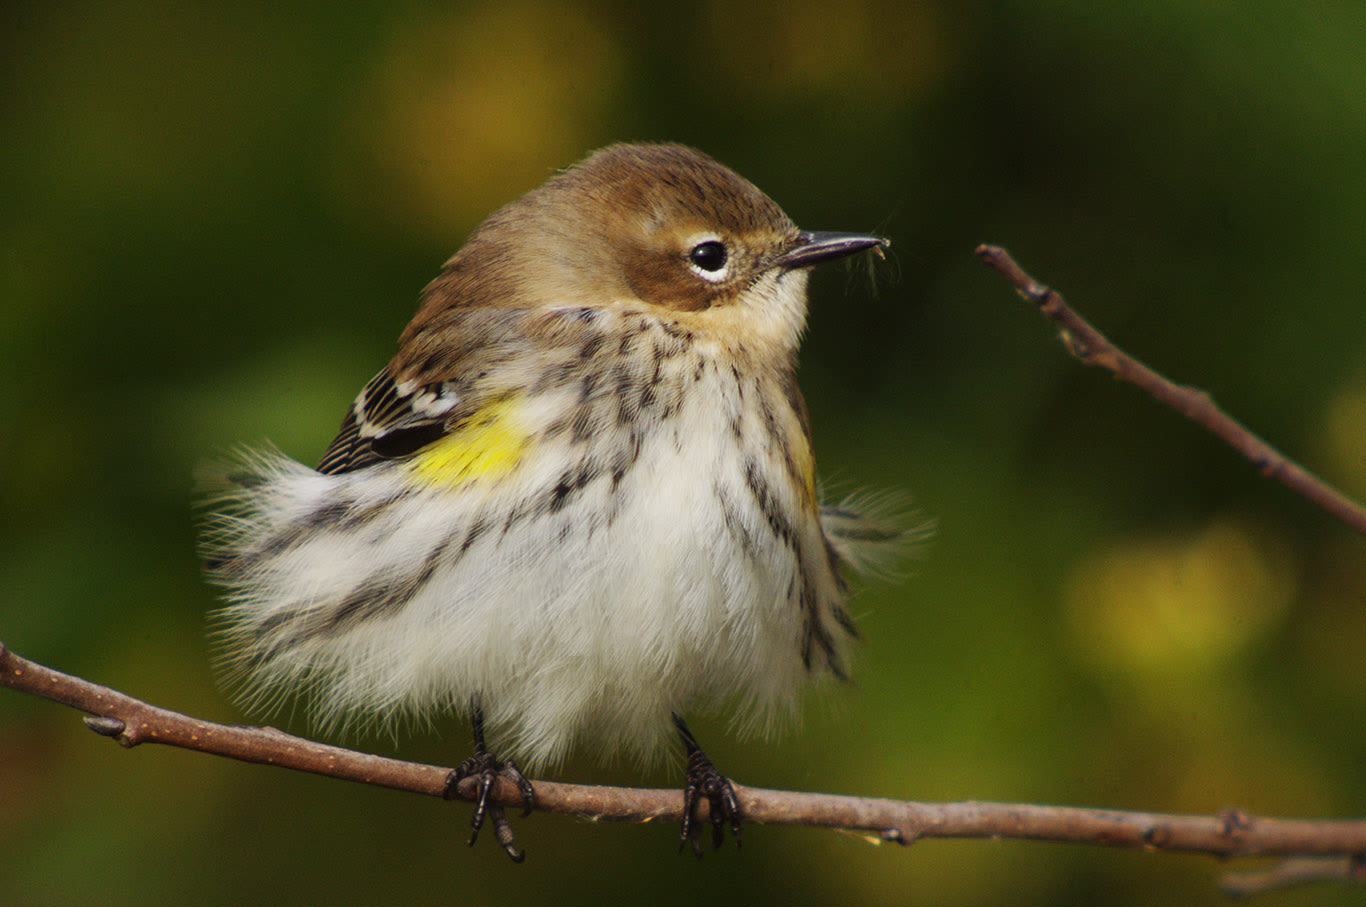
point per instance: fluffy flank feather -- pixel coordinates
(875, 532)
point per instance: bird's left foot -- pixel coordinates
(487, 767)
(702, 780)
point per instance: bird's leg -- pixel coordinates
(487, 767)
(701, 779)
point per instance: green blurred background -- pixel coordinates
(215, 219)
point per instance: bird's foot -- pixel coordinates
(703, 781)
(486, 767)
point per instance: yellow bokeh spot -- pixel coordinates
(1176, 609)
(466, 111)
(487, 446)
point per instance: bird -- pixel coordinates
(578, 504)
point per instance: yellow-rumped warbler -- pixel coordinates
(579, 502)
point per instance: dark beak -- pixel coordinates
(814, 248)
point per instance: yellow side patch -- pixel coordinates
(487, 446)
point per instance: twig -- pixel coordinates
(1092, 348)
(1293, 872)
(131, 721)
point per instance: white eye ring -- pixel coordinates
(709, 258)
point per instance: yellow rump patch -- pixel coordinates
(487, 446)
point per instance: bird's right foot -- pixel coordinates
(486, 767)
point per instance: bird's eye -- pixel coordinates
(709, 256)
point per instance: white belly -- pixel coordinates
(591, 622)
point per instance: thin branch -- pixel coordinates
(1292, 873)
(1092, 348)
(131, 721)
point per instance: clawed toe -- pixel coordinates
(703, 781)
(486, 767)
